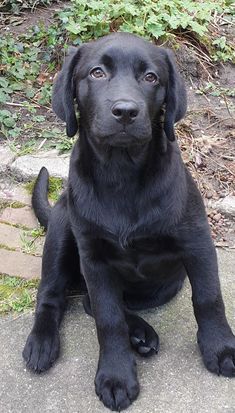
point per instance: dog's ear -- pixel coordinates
(64, 92)
(176, 100)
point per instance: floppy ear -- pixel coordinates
(64, 92)
(176, 100)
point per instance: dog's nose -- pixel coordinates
(125, 111)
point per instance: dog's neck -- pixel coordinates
(122, 164)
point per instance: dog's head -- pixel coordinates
(120, 84)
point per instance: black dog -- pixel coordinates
(132, 221)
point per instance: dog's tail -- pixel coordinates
(41, 206)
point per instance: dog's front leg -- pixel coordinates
(215, 338)
(116, 378)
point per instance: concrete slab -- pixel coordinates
(174, 381)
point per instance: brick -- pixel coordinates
(21, 216)
(14, 238)
(17, 264)
(10, 236)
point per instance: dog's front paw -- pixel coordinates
(41, 350)
(116, 384)
(218, 354)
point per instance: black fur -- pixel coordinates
(132, 221)
(40, 202)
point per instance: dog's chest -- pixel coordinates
(142, 258)
(121, 213)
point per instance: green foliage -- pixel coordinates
(28, 61)
(21, 63)
(55, 187)
(162, 19)
(45, 94)
(223, 51)
(7, 118)
(65, 144)
(28, 238)
(149, 18)
(26, 148)
(7, 121)
(16, 294)
(215, 90)
(62, 143)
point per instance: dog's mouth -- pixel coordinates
(123, 139)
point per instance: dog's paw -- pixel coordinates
(41, 351)
(219, 355)
(144, 340)
(117, 386)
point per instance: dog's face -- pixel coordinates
(120, 83)
(123, 86)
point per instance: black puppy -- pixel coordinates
(132, 221)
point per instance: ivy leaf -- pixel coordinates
(3, 96)
(9, 122)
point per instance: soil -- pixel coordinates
(206, 135)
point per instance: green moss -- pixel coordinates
(11, 204)
(55, 187)
(16, 204)
(16, 294)
(5, 247)
(29, 186)
(19, 226)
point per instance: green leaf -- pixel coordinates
(15, 133)
(4, 97)
(39, 118)
(17, 86)
(4, 113)
(4, 82)
(30, 93)
(9, 122)
(73, 27)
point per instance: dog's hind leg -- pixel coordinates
(42, 346)
(144, 339)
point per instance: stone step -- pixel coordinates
(6, 158)
(28, 166)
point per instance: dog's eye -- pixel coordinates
(151, 78)
(97, 73)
